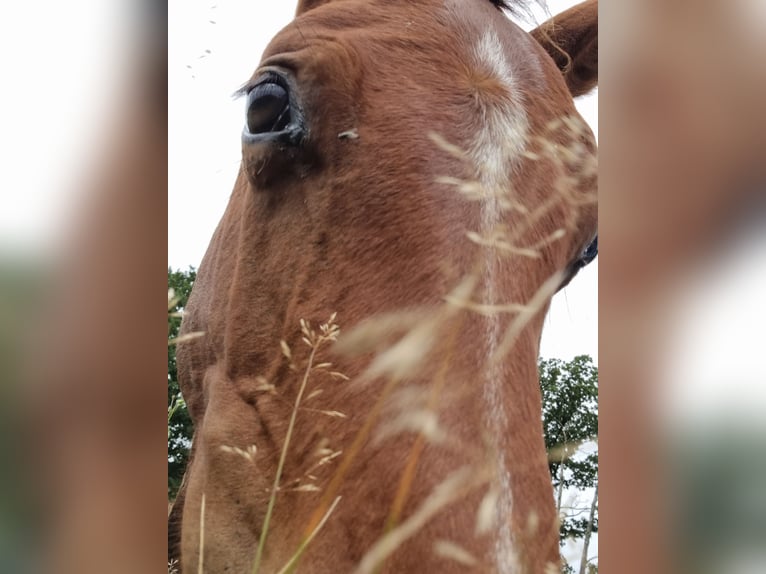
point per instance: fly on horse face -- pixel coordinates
(414, 173)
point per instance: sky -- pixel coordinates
(213, 49)
(76, 72)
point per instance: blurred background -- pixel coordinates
(91, 191)
(83, 224)
(681, 284)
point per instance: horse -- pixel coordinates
(415, 185)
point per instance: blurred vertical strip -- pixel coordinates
(82, 288)
(682, 283)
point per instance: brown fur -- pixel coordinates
(360, 227)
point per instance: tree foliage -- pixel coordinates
(180, 427)
(570, 418)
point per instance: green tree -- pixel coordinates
(570, 420)
(180, 427)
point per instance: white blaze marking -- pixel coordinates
(497, 146)
(502, 136)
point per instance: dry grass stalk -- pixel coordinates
(401, 359)
(345, 464)
(371, 334)
(248, 454)
(422, 421)
(564, 451)
(328, 332)
(404, 357)
(487, 310)
(486, 516)
(264, 386)
(173, 299)
(185, 337)
(306, 488)
(451, 149)
(539, 299)
(451, 551)
(201, 558)
(454, 487)
(327, 413)
(293, 562)
(326, 457)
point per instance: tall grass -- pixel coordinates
(420, 331)
(328, 332)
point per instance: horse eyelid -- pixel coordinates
(265, 74)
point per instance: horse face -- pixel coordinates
(357, 118)
(390, 152)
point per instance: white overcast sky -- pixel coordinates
(213, 48)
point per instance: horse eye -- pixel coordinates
(268, 108)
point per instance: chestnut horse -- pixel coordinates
(417, 168)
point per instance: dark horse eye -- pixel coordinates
(268, 108)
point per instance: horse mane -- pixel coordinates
(516, 7)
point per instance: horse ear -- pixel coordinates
(571, 39)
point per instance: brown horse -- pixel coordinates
(419, 169)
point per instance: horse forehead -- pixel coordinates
(446, 32)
